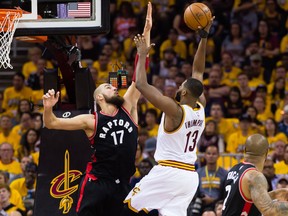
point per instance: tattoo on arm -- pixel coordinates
(257, 184)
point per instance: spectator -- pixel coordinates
(211, 179)
(218, 207)
(236, 141)
(263, 112)
(234, 105)
(24, 106)
(230, 71)
(37, 96)
(215, 90)
(255, 71)
(28, 144)
(15, 197)
(149, 149)
(282, 183)
(283, 125)
(23, 162)
(269, 47)
(124, 20)
(142, 137)
(209, 212)
(247, 94)
(34, 55)
(33, 80)
(103, 67)
(184, 33)
(279, 72)
(89, 49)
(281, 168)
(174, 43)
(22, 127)
(272, 134)
(169, 59)
(13, 94)
(256, 125)
(226, 126)
(179, 79)
(8, 207)
(211, 137)
(144, 168)
(185, 68)
(170, 88)
(151, 124)
(7, 161)
(276, 94)
(37, 121)
(234, 44)
(26, 186)
(272, 16)
(278, 154)
(6, 134)
(269, 173)
(245, 13)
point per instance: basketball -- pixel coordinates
(197, 14)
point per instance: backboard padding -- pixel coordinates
(46, 17)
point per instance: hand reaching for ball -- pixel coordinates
(141, 44)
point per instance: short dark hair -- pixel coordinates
(19, 74)
(194, 86)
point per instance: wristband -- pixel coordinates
(203, 33)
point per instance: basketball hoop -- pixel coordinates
(9, 19)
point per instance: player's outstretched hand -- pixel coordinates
(148, 23)
(207, 28)
(142, 47)
(204, 32)
(50, 98)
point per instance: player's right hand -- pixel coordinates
(50, 98)
(207, 28)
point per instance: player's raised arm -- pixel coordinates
(257, 185)
(166, 104)
(198, 67)
(52, 122)
(132, 95)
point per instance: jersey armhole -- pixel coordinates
(240, 187)
(95, 127)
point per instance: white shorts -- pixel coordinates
(167, 189)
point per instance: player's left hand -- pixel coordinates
(142, 47)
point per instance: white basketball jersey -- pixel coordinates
(181, 144)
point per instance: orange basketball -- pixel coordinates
(197, 14)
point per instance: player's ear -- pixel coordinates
(184, 92)
(99, 97)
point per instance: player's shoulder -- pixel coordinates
(253, 176)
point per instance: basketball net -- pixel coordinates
(8, 23)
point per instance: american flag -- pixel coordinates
(79, 9)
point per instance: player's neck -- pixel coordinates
(109, 109)
(258, 163)
(192, 103)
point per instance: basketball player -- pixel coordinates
(171, 185)
(246, 187)
(112, 132)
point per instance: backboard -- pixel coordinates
(61, 17)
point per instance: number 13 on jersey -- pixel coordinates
(191, 141)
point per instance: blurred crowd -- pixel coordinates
(246, 84)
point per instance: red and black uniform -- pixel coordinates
(235, 203)
(106, 182)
